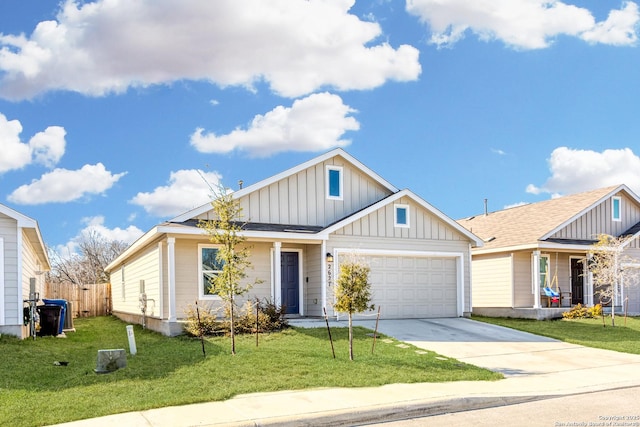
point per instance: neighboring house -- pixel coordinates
(547, 243)
(300, 224)
(23, 260)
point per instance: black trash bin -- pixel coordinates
(49, 319)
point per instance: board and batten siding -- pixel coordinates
(301, 198)
(422, 225)
(493, 280)
(9, 233)
(599, 220)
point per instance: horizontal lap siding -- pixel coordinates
(186, 252)
(522, 280)
(492, 281)
(301, 199)
(9, 232)
(145, 266)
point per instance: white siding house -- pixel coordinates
(23, 260)
(300, 225)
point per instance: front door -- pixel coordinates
(290, 286)
(577, 281)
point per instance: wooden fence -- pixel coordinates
(86, 300)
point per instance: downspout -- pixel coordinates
(470, 281)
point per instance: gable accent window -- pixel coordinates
(401, 216)
(334, 182)
(208, 267)
(616, 214)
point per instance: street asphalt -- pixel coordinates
(535, 368)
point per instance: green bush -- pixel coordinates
(583, 312)
(270, 318)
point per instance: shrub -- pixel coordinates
(270, 318)
(209, 323)
(583, 312)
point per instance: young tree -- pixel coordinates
(612, 268)
(232, 255)
(353, 292)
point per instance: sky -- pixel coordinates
(117, 115)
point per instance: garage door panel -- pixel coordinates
(413, 286)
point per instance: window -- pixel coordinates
(209, 267)
(334, 182)
(401, 215)
(616, 215)
(544, 271)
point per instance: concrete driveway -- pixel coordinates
(499, 349)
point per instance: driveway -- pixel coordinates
(499, 349)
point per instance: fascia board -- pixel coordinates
(588, 208)
(142, 241)
(289, 172)
(535, 246)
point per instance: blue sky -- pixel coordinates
(111, 110)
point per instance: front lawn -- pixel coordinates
(172, 371)
(587, 332)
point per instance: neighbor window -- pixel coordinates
(401, 216)
(615, 209)
(334, 182)
(544, 271)
(209, 268)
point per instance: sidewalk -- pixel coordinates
(588, 370)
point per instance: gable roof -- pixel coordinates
(32, 230)
(476, 241)
(530, 224)
(289, 172)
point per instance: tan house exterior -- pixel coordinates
(528, 246)
(23, 260)
(301, 224)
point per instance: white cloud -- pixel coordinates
(45, 148)
(63, 185)
(574, 171)
(108, 46)
(186, 190)
(96, 225)
(311, 124)
(523, 24)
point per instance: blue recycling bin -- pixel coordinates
(62, 303)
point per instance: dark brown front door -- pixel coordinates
(577, 281)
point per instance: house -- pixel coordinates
(300, 224)
(546, 244)
(23, 260)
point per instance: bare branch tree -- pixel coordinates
(95, 252)
(613, 269)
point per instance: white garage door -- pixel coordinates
(414, 286)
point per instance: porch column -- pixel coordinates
(171, 272)
(277, 273)
(161, 279)
(536, 279)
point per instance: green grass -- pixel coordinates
(587, 332)
(172, 371)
